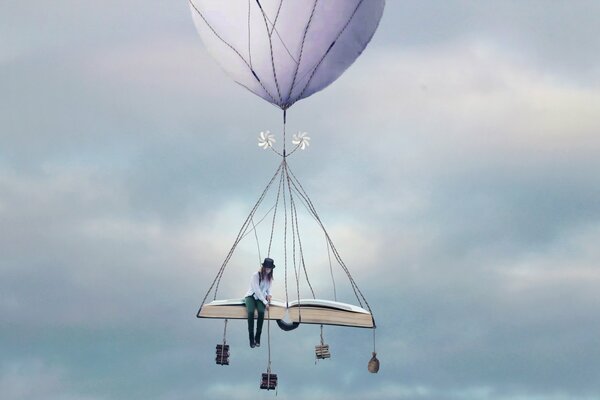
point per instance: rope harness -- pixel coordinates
(290, 192)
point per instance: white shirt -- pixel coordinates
(261, 290)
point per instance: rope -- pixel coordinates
(248, 89)
(284, 164)
(329, 49)
(331, 270)
(293, 238)
(269, 350)
(374, 351)
(302, 256)
(296, 234)
(322, 350)
(269, 343)
(285, 241)
(232, 48)
(216, 34)
(301, 51)
(259, 222)
(241, 233)
(249, 52)
(282, 155)
(271, 49)
(284, 122)
(322, 340)
(273, 29)
(275, 20)
(311, 208)
(257, 242)
(295, 149)
(275, 212)
(294, 213)
(276, 152)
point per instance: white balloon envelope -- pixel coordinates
(286, 50)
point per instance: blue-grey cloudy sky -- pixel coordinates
(455, 165)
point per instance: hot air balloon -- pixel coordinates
(283, 52)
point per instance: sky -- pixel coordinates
(455, 165)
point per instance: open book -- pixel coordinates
(308, 311)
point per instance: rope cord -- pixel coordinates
(249, 51)
(259, 222)
(273, 29)
(285, 218)
(232, 48)
(331, 270)
(374, 350)
(312, 13)
(284, 123)
(282, 155)
(302, 255)
(296, 234)
(295, 149)
(275, 20)
(229, 255)
(271, 49)
(276, 152)
(284, 163)
(295, 217)
(248, 89)
(275, 212)
(320, 350)
(328, 50)
(269, 343)
(306, 206)
(257, 242)
(293, 237)
(300, 190)
(216, 34)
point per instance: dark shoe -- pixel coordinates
(252, 344)
(257, 341)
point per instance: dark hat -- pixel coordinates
(268, 263)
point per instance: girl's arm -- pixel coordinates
(268, 292)
(256, 288)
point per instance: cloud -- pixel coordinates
(174, 64)
(502, 130)
(34, 379)
(454, 166)
(559, 38)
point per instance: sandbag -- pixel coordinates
(374, 364)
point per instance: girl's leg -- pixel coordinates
(250, 306)
(261, 316)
